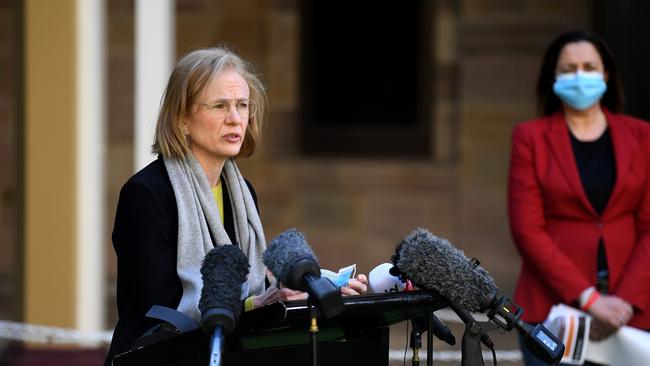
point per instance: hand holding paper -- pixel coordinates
(343, 276)
(346, 280)
(627, 346)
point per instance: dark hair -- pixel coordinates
(548, 102)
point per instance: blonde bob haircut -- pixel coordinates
(186, 85)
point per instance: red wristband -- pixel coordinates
(592, 299)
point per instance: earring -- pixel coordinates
(186, 130)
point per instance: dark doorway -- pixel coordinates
(624, 25)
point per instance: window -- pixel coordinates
(365, 85)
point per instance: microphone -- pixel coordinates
(294, 264)
(381, 280)
(223, 271)
(433, 263)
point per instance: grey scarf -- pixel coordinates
(198, 217)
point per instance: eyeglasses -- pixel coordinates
(246, 108)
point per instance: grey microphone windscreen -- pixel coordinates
(223, 271)
(289, 258)
(432, 263)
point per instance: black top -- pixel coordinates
(597, 167)
(145, 238)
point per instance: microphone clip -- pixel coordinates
(506, 313)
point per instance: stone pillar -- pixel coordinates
(63, 99)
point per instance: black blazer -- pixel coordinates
(145, 238)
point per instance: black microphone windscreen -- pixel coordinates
(285, 251)
(432, 263)
(224, 270)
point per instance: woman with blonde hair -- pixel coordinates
(193, 197)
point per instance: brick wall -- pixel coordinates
(485, 62)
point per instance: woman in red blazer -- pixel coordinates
(579, 193)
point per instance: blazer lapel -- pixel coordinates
(622, 146)
(558, 139)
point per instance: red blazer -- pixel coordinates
(555, 228)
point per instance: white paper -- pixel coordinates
(627, 347)
(572, 327)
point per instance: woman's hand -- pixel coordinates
(274, 294)
(356, 286)
(609, 313)
(599, 331)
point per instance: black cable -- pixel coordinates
(406, 346)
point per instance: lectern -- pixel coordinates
(278, 335)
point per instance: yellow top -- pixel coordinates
(248, 304)
(218, 197)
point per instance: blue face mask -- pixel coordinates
(580, 90)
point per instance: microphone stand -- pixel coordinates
(216, 344)
(313, 332)
(325, 296)
(471, 347)
(475, 333)
(415, 343)
(430, 340)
